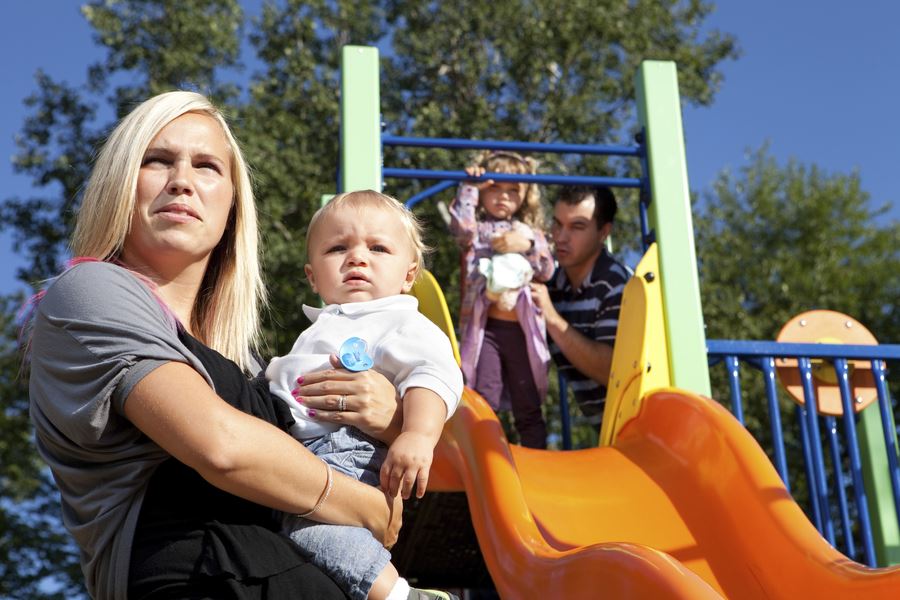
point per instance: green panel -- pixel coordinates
(659, 111)
(360, 119)
(877, 481)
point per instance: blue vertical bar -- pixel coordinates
(837, 463)
(768, 368)
(862, 505)
(734, 383)
(564, 412)
(815, 442)
(808, 463)
(884, 405)
(645, 226)
(645, 194)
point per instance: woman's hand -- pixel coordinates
(370, 402)
(393, 529)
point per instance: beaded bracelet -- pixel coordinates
(329, 482)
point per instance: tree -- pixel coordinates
(775, 241)
(512, 69)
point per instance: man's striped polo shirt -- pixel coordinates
(593, 310)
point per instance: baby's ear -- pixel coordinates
(411, 274)
(311, 277)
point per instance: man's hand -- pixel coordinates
(541, 297)
(408, 463)
(511, 241)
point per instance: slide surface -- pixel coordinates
(684, 504)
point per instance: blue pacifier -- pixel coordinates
(353, 355)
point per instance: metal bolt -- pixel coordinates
(802, 322)
(649, 276)
(848, 324)
(649, 366)
(859, 399)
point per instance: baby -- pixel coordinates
(365, 250)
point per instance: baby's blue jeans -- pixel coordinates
(349, 555)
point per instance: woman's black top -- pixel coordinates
(195, 541)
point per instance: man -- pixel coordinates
(581, 302)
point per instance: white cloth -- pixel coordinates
(505, 272)
(505, 275)
(407, 348)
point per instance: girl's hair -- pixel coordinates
(531, 212)
(372, 199)
(231, 295)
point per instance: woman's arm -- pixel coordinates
(371, 402)
(243, 455)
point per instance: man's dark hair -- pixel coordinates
(605, 205)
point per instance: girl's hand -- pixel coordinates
(370, 402)
(476, 171)
(511, 241)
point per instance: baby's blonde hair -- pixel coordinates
(500, 161)
(372, 199)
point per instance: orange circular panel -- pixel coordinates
(827, 327)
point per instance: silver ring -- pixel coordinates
(342, 403)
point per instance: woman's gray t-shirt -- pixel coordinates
(96, 333)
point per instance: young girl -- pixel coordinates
(504, 351)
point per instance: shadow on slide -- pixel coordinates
(684, 504)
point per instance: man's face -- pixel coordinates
(578, 241)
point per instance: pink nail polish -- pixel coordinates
(312, 412)
(298, 399)
(300, 380)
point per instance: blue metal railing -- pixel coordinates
(761, 355)
(626, 182)
(547, 147)
(448, 178)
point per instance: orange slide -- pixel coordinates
(678, 502)
(684, 504)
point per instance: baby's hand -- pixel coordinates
(408, 463)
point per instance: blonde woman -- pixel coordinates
(141, 359)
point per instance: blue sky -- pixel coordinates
(817, 80)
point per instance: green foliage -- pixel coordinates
(37, 558)
(776, 241)
(513, 69)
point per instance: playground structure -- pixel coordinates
(678, 500)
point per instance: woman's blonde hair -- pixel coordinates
(372, 199)
(226, 311)
(531, 212)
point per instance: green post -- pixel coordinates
(670, 217)
(360, 119)
(877, 482)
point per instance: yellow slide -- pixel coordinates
(679, 502)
